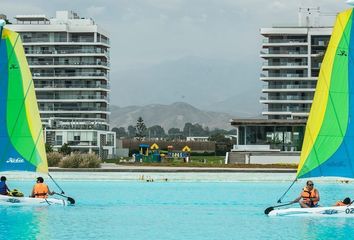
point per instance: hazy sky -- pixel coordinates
(146, 34)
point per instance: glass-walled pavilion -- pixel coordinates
(267, 134)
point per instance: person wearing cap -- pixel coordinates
(4, 190)
(345, 202)
(309, 195)
(40, 189)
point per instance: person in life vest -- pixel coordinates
(346, 201)
(40, 189)
(309, 196)
(4, 190)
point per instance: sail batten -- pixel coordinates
(21, 134)
(328, 148)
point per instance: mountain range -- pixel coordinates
(216, 85)
(174, 115)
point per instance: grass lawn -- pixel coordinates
(201, 161)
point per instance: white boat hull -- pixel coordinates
(27, 201)
(343, 211)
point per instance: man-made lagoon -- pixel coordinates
(186, 206)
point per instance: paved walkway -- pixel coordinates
(111, 167)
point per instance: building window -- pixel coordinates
(59, 140)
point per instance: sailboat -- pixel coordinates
(328, 147)
(21, 134)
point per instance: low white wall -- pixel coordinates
(270, 159)
(251, 148)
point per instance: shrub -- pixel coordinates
(80, 160)
(54, 158)
(65, 149)
(48, 147)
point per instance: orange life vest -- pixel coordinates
(306, 195)
(40, 190)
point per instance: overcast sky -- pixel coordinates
(149, 33)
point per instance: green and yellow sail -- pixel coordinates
(21, 134)
(328, 147)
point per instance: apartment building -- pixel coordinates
(292, 59)
(69, 60)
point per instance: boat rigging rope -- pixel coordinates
(279, 200)
(62, 192)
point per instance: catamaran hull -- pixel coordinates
(26, 201)
(343, 211)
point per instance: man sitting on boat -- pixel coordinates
(346, 201)
(40, 189)
(309, 195)
(4, 190)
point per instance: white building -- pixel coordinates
(197, 139)
(293, 56)
(69, 60)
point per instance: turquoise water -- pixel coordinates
(172, 210)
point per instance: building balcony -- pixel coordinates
(69, 51)
(320, 43)
(43, 39)
(286, 99)
(76, 124)
(81, 39)
(58, 110)
(290, 88)
(75, 119)
(294, 75)
(284, 65)
(283, 53)
(71, 97)
(68, 65)
(90, 75)
(298, 111)
(285, 76)
(60, 86)
(42, 42)
(290, 97)
(289, 40)
(267, 101)
(294, 90)
(77, 143)
(285, 113)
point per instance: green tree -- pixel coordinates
(65, 149)
(131, 131)
(140, 129)
(156, 131)
(120, 132)
(195, 130)
(222, 144)
(174, 134)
